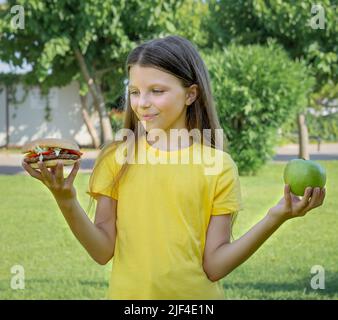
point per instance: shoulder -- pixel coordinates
(109, 157)
(218, 161)
(224, 155)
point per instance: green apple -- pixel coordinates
(300, 173)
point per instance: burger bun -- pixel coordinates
(54, 162)
(51, 143)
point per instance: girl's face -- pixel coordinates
(158, 98)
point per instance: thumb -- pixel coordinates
(287, 197)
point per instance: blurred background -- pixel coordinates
(273, 67)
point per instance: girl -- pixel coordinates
(167, 226)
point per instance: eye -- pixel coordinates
(156, 91)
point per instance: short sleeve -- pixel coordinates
(227, 195)
(102, 177)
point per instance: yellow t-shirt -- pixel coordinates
(163, 214)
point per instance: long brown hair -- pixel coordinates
(177, 56)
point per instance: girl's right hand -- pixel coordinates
(61, 188)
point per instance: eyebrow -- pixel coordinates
(153, 84)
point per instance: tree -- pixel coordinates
(256, 88)
(307, 31)
(85, 41)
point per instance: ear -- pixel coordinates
(191, 94)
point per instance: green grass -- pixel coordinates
(34, 234)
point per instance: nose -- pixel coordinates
(143, 101)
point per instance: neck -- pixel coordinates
(169, 142)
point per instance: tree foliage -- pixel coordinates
(257, 89)
(296, 25)
(104, 31)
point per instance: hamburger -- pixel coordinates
(51, 151)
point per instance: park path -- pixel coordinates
(10, 163)
(326, 151)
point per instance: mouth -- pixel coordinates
(149, 117)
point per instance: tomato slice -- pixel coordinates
(75, 152)
(48, 152)
(33, 154)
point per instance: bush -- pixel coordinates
(256, 90)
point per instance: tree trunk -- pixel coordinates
(90, 127)
(106, 121)
(303, 137)
(106, 129)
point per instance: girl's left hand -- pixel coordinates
(291, 206)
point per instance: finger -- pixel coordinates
(44, 172)
(321, 196)
(315, 198)
(287, 197)
(322, 192)
(53, 170)
(305, 199)
(72, 175)
(34, 173)
(59, 173)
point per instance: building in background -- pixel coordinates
(28, 120)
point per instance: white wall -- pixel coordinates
(27, 122)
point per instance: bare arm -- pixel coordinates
(227, 256)
(221, 256)
(97, 238)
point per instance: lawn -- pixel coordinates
(34, 234)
